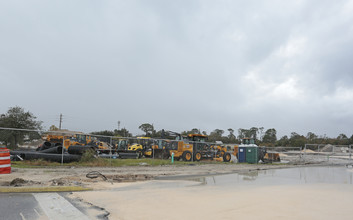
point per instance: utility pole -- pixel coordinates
(118, 125)
(61, 119)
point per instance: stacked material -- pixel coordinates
(48, 151)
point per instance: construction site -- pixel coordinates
(69, 146)
(110, 176)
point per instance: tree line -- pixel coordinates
(262, 136)
(17, 117)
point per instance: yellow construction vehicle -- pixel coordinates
(220, 148)
(141, 146)
(78, 139)
(194, 147)
(159, 149)
(68, 138)
(131, 147)
(73, 138)
(271, 157)
(58, 136)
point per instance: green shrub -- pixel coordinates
(88, 156)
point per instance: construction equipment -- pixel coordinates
(159, 149)
(140, 146)
(193, 147)
(220, 148)
(54, 138)
(69, 139)
(78, 139)
(131, 148)
(121, 148)
(271, 157)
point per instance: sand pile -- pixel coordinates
(283, 155)
(327, 148)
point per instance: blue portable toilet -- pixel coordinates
(241, 154)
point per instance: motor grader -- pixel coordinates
(193, 147)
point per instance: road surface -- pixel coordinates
(33, 206)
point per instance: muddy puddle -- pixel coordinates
(302, 175)
(290, 176)
(293, 193)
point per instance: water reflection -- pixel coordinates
(303, 175)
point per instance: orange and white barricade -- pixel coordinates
(5, 162)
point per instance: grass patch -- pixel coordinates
(43, 189)
(106, 162)
(99, 162)
(33, 164)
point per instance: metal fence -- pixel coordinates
(113, 146)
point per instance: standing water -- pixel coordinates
(302, 175)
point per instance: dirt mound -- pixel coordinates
(131, 177)
(327, 148)
(21, 182)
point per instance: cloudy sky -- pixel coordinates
(180, 65)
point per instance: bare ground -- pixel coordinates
(76, 176)
(290, 202)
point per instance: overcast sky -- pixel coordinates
(180, 65)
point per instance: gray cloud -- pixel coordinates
(180, 64)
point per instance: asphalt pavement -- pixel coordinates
(34, 206)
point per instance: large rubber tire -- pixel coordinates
(227, 157)
(187, 156)
(197, 156)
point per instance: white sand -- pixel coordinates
(319, 201)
